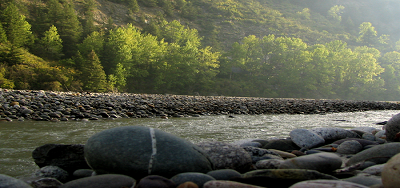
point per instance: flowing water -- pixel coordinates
(19, 139)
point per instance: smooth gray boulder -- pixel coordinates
(378, 154)
(392, 127)
(334, 133)
(321, 162)
(141, 151)
(305, 138)
(101, 181)
(349, 147)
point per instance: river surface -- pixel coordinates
(19, 139)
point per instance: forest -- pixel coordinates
(245, 48)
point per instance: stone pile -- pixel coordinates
(63, 106)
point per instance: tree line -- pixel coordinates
(60, 51)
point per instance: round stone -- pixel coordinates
(334, 133)
(154, 181)
(326, 184)
(198, 178)
(349, 147)
(305, 138)
(392, 128)
(224, 174)
(227, 184)
(102, 181)
(322, 162)
(227, 156)
(140, 151)
(10, 182)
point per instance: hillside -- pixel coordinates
(260, 48)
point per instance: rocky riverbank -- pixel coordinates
(63, 106)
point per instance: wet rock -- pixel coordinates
(227, 184)
(46, 183)
(198, 178)
(53, 172)
(333, 133)
(227, 156)
(373, 170)
(82, 173)
(305, 138)
(102, 181)
(378, 154)
(392, 128)
(10, 182)
(154, 181)
(281, 144)
(349, 147)
(363, 142)
(326, 184)
(283, 154)
(269, 164)
(67, 157)
(364, 179)
(280, 177)
(153, 152)
(258, 154)
(368, 136)
(224, 174)
(322, 162)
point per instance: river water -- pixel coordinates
(19, 139)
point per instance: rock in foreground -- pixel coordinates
(140, 151)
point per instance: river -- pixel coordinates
(19, 139)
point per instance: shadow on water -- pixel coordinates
(19, 139)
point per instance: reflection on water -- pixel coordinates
(19, 139)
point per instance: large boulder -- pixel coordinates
(331, 134)
(392, 128)
(305, 138)
(141, 151)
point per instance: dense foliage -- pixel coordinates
(258, 48)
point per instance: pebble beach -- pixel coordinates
(63, 106)
(134, 156)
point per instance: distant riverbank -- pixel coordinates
(63, 106)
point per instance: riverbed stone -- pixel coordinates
(349, 147)
(272, 178)
(363, 142)
(139, 151)
(331, 134)
(198, 178)
(46, 183)
(392, 128)
(258, 154)
(69, 157)
(227, 156)
(101, 181)
(227, 184)
(305, 138)
(269, 163)
(374, 170)
(281, 144)
(391, 172)
(327, 184)
(322, 162)
(364, 179)
(224, 174)
(378, 154)
(155, 181)
(10, 182)
(53, 172)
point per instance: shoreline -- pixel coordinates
(62, 106)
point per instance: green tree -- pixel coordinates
(391, 63)
(3, 36)
(88, 26)
(93, 77)
(133, 6)
(93, 42)
(367, 35)
(50, 45)
(63, 16)
(17, 29)
(335, 12)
